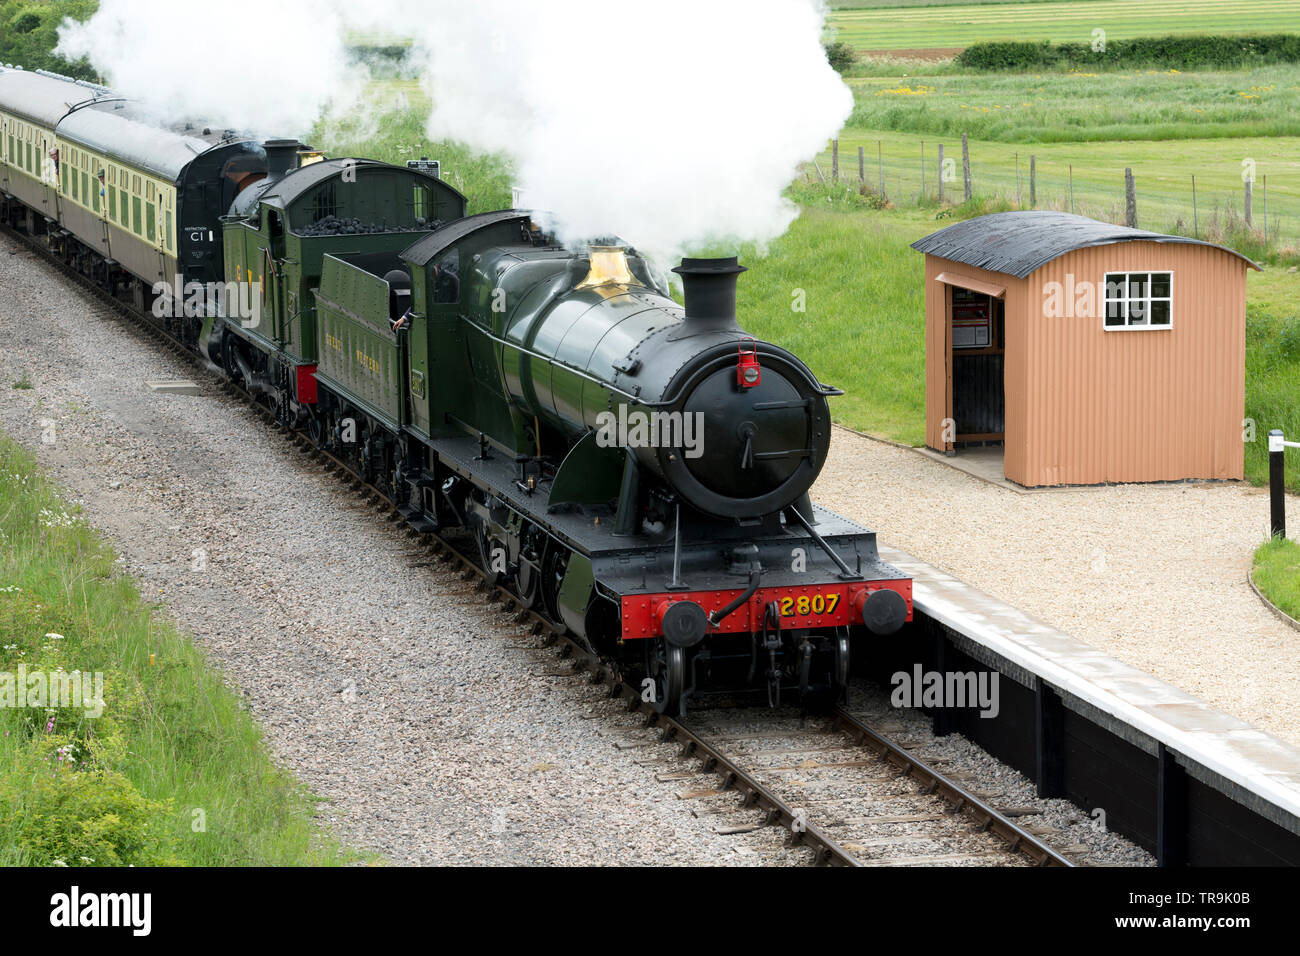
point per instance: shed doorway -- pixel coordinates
(977, 387)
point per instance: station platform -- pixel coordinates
(1199, 755)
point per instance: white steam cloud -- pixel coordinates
(673, 123)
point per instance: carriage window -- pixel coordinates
(112, 202)
(1139, 300)
(168, 234)
(136, 218)
(149, 222)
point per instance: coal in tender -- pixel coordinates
(336, 226)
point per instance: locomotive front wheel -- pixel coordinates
(668, 671)
(840, 664)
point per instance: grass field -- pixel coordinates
(1081, 106)
(174, 771)
(1277, 574)
(1163, 171)
(1164, 125)
(952, 26)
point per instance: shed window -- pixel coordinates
(1139, 300)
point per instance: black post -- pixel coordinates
(1049, 716)
(1277, 482)
(941, 718)
(1171, 810)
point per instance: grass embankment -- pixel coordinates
(174, 770)
(1277, 574)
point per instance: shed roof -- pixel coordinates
(1017, 243)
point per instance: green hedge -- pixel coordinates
(1174, 52)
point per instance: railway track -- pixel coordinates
(840, 787)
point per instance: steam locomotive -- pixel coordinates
(635, 470)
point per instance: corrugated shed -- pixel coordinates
(1017, 243)
(1137, 405)
(1084, 405)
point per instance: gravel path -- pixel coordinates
(1154, 575)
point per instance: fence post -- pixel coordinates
(965, 168)
(1033, 181)
(1263, 201)
(1072, 189)
(1277, 483)
(941, 173)
(1196, 225)
(922, 170)
(835, 161)
(862, 169)
(880, 165)
(1248, 201)
(1130, 199)
(1018, 201)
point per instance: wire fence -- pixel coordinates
(938, 172)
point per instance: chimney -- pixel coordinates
(710, 288)
(281, 156)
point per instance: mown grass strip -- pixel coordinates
(1277, 574)
(174, 770)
